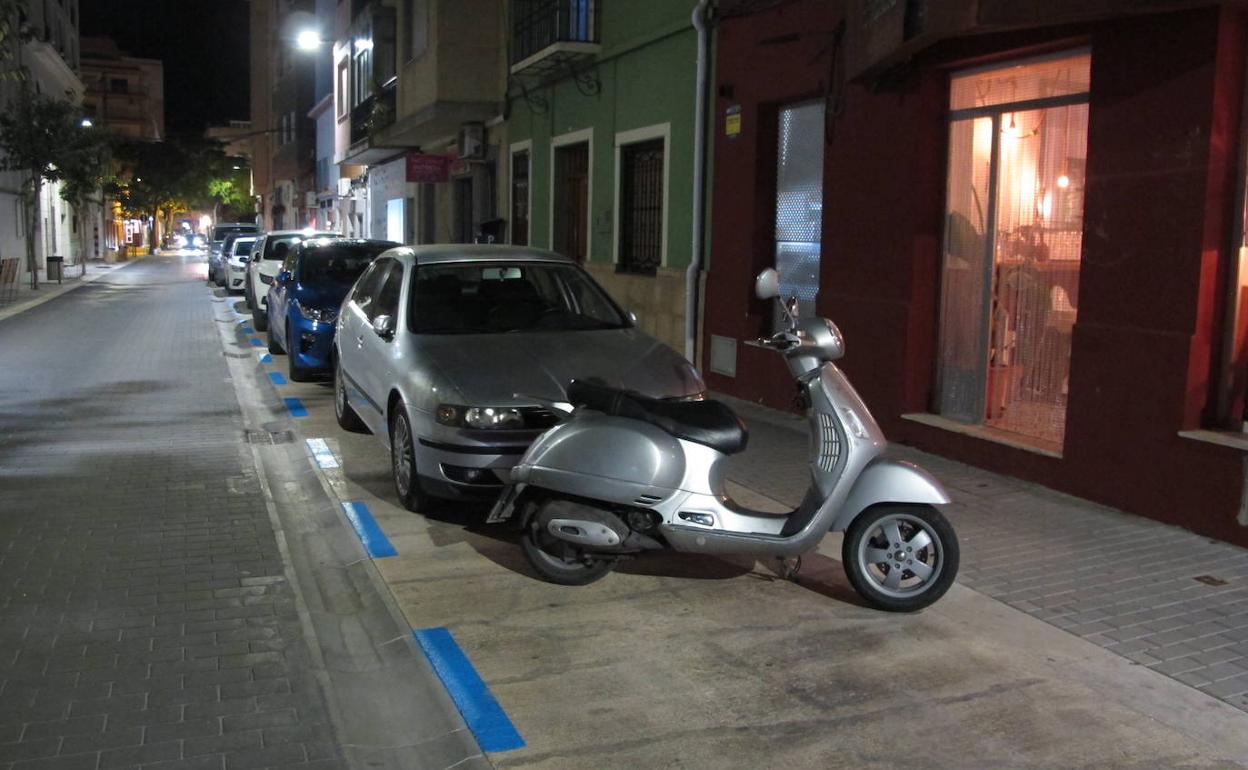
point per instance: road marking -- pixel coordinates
(278, 378)
(375, 541)
(296, 407)
(264, 358)
(485, 717)
(248, 330)
(321, 452)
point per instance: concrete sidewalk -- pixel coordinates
(24, 298)
(1158, 595)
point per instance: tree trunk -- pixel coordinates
(30, 210)
(151, 240)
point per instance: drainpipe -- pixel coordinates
(693, 273)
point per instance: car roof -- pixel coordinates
(305, 232)
(443, 253)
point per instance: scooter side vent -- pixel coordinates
(648, 500)
(829, 444)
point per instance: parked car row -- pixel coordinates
(445, 353)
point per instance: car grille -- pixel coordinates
(538, 418)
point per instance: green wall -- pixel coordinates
(647, 73)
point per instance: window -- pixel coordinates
(799, 204)
(389, 286)
(641, 207)
(344, 94)
(520, 198)
(416, 12)
(1013, 239)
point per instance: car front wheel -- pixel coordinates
(348, 420)
(403, 462)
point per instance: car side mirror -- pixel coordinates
(383, 325)
(632, 318)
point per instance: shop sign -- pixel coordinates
(732, 121)
(428, 169)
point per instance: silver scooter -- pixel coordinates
(624, 474)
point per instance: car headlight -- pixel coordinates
(480, 417)
(322, 314)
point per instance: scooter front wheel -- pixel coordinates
(559, 561)
(901, 558)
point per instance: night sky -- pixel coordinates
(203, 44)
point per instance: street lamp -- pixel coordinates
(86, 123)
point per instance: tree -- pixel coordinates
(11, 13)
(230, 191)
(33, 136)
(86, 167)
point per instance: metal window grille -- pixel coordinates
(539, 24)
(520, 198)
(641, 207)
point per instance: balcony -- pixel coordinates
(548, 36)
(369, 119)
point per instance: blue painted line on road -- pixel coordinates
(265, 358)
(375, 541)
(321, 452)
(248, 330)
(296, 407)
(256, 343)
(485, 717)
(277, 377)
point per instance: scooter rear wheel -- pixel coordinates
(559, 561)
(901, 558)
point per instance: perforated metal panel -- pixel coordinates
(799, 202)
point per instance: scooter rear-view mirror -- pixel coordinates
(767, 284)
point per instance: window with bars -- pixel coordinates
(641, 207)
(520, 198)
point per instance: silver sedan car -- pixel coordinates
(435, 342)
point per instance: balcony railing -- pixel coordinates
(541, 25)
(373, 114)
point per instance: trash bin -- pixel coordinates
(56, 268)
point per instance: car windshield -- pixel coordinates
(242, 246)
(220, 233)
(277, 246)
(337, 263)
(500, 297)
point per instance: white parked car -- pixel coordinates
(236, 263)
(267, 255)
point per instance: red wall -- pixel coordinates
(1163, 138)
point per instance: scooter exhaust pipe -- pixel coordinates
(591, 528)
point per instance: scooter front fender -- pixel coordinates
(889, 481)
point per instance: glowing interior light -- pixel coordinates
(1063, 181)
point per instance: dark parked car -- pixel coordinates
(303, 300)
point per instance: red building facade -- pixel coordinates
(1029, 232)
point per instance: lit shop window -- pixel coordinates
(1013, 239)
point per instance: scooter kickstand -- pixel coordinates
(789, 567)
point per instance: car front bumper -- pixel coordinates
(459, 464)
(309, 342)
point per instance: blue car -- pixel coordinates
(303, 300)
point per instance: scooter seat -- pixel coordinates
(710, 423)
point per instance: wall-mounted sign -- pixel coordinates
(428, 169)
(732, 121)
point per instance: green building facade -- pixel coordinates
(600, 150)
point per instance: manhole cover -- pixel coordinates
(268, 437)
